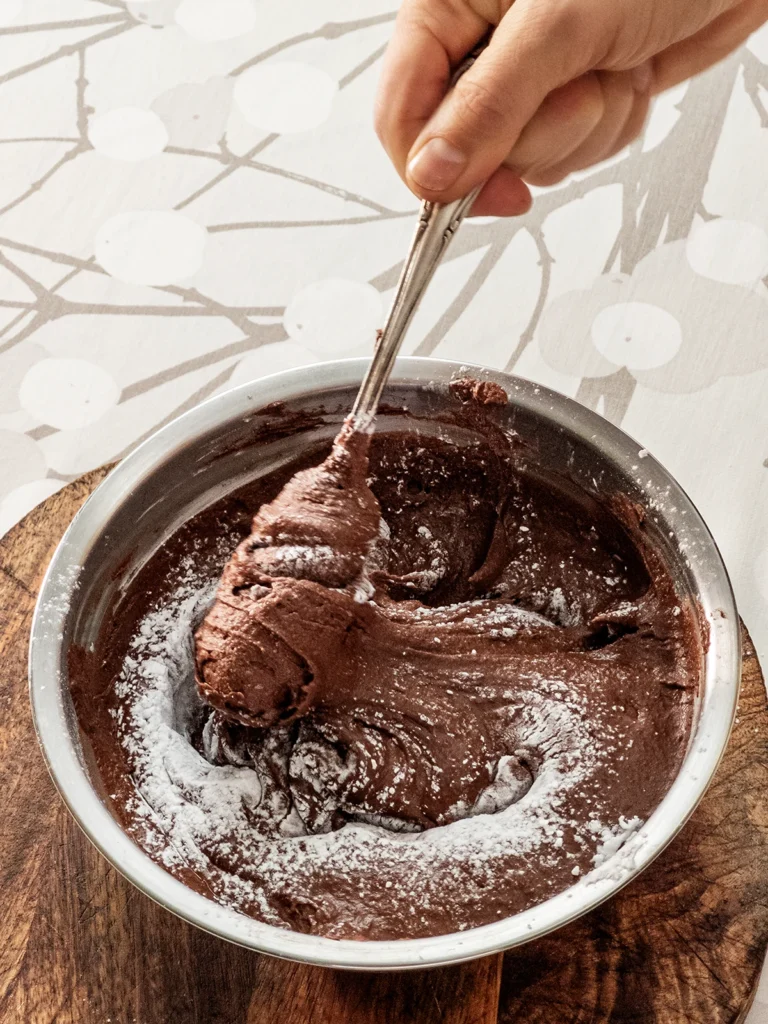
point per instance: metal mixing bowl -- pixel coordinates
(203, 455)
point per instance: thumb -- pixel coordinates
(536, 48)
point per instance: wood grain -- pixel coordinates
(79, 945)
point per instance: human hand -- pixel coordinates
(563, 84)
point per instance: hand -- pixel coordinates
(562, 85)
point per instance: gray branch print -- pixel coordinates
(658, 205)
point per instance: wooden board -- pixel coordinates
(79, 945)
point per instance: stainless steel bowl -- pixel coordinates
(204, 454)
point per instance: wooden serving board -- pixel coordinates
(683, 944)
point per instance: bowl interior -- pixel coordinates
(194, 475)
(240, 436)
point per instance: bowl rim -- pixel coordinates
(49, 692)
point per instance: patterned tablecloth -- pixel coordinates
(192, 195)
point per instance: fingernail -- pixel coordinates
(437, 165)
(642, 76)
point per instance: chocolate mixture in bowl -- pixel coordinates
(433, 687)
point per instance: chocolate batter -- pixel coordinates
(436, 687)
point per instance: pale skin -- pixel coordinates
(563, 85)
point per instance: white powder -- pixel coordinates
(295, 559)
(214, 818)
(54, 611)
(612, 839)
